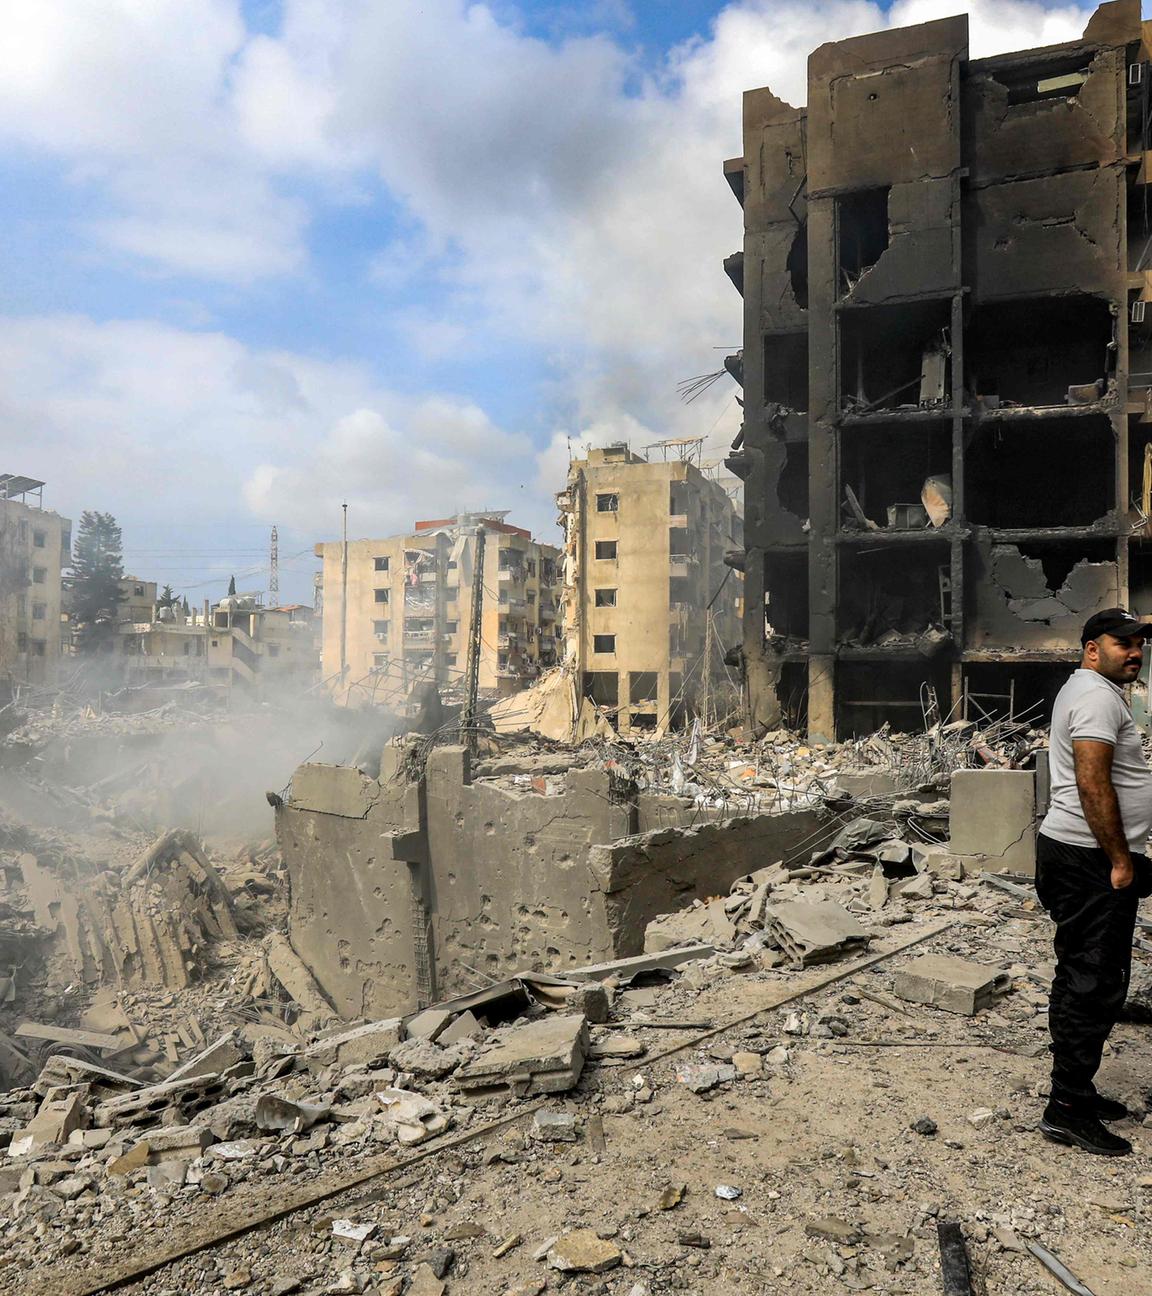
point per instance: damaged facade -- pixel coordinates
(35, 544)
(946, 368)
(397, 611)
(649, 605)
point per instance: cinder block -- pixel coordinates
(953, 984)
(993, 820)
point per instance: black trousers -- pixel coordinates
(1094, 929)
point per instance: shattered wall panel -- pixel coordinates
(1058, 234)
(1015, 605)
(1005, 140)
(881, 107)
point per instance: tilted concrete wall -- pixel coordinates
(403, 892)
(657, 872)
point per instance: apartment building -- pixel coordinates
(137, 601)
(35, 544)
(259, 652)
(947, 372)
(650, 605)
(398, 610)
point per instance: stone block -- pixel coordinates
(362, 1044)
(993, 823)
(953, 984)
(545, 1056)
(217, 1057)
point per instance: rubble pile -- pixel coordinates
(95, 1157)
(724, 774)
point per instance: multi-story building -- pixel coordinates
(137, 601)
(650, 606)
(399, 610)
(35, 544)
(947, 443)
(260, 652)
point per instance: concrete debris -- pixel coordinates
(953, 984)
(582, 1251)
(810, 932)
(540, 1057)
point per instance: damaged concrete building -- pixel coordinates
(35, 544)
(946, 367)
(398, 611)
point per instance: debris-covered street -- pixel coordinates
(525, 771)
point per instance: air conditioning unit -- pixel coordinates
(1137, 312)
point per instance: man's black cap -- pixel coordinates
(1116, 621)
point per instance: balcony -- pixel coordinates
(418, 636)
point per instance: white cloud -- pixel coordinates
(564, 199)
(150, 422)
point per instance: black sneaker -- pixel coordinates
(1063, 1125)
(1108, 1109)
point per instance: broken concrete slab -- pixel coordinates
(76, 1038)
(367, 1043)
(813, 931)
(414, 1117)
(954, 984)
(465, 1027)
(545, 1056)
(622, 970)
(993, 820)
(217, 1057)
(428, 1024)
(704, 924)
(582, 1251)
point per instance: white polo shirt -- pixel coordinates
(1090, 706)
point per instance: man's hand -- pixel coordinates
(1123, 874)
(1093, 762)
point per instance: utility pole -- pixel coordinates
(472, 678)
(274, 570)
(344, 598)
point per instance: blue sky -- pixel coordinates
(262, 257)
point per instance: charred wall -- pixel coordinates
(978, 402)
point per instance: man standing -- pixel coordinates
(1091, 872)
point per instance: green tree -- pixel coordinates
(167, 598)
(232, 585)
(187, 609)
(97, 570)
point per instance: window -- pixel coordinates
(451, 594)
(604, 643)
(643, 686)
(530, 595)
(273, 650)
(380, 595)
(452, 564)
(605, 548)
(605, 598)
(503, 596)
(608, 503)
(379, 661)
(39, 611)
(449, 659)
(531, 566)
(40, 539)
(21, 641)
(450, 627)
(37, 647)
(380, 564)
(502, 661)
(380, 628)
(215, 643)
(138, 590)
(39, 575)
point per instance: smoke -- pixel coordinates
(178, 766)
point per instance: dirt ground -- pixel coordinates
(821, 1143)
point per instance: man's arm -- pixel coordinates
(1093, 762)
